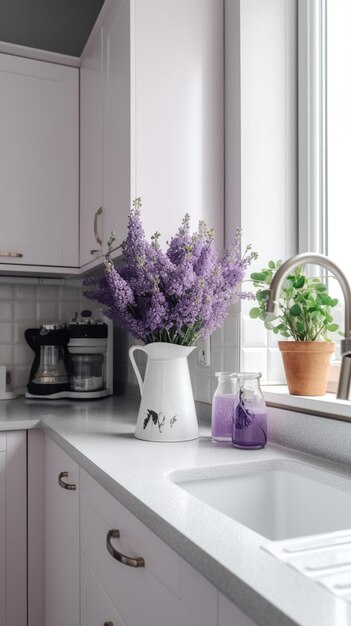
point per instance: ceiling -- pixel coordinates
(57, 25)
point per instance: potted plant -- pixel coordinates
(305, 320)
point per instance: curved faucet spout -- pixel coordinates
(315, 259)
(344, 386)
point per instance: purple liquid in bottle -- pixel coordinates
(250, 413)
(222, 417)
(249, 427)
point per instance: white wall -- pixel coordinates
(260, 172)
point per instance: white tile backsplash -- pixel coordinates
(253, 333)
(230, 327)
(25, 310)
(47, 310)
(203, 389)
(25, 306)
(6, 333)
(254, 360)
(6, 292)
(275, 366)
(48, 292)
(6, 311)
(6, 354)
(25, 292)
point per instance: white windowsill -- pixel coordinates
(328, 405)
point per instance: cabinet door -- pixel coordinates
(116, 154)
(143, 596)
(91, 206)
(61, 538)
(96, 608)
(2, 529)
(13, 543)
(38, 162)
(230, 615)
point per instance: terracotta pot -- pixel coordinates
(306, 365)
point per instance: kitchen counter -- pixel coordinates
(99, 437)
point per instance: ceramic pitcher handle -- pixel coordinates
(135, 367)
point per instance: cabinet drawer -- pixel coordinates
(142, 596)
(96, 608)
(167, 590)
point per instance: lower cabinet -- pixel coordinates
(61, 495)
(104, 567)
(96, 608)
(230, 615)
(13, 533)
(147, 583)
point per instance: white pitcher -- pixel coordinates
(167, 408)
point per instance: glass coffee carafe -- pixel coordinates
(52, 368)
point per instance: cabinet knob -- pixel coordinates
(122, 558)
(9, 253)
(96, 231)
(70, 486)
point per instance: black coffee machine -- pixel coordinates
(50, 371)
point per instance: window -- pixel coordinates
(325, 134)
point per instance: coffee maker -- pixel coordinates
(74, 361)
(50, 372)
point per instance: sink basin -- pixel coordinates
(279, 499)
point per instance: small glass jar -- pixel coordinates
(250, 413)
(223, 407)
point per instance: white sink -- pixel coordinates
(279, 499)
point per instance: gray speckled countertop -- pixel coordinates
(99, 436)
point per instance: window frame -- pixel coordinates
(312, 127)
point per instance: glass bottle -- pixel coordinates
(223, 407)
(250, 413)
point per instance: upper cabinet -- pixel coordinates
(159, 66)
(39, 156)
(91, 103)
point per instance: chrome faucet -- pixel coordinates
(344, 385)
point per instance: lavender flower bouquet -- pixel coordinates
(177, 296)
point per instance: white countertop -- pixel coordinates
(99, 436)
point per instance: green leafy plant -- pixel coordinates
(305, 305)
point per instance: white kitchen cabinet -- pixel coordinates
(39, 132)
(13, 541)
(61, 537)
(96, 608)
(88, 580)
(230, 615)
(162, 124)
(91, 103)
(164, 590)
(117, 120)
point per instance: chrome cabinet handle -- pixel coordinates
(96, 232)
(122, 558)
(94, 251)
(6, 253)
(70, 486)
